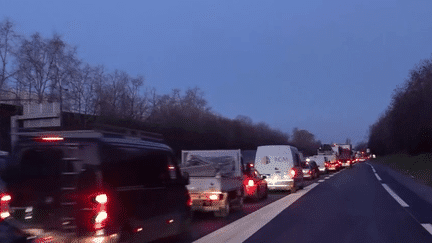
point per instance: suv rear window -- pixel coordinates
(41, 162)
(126, 167)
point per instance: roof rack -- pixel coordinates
(127, 132)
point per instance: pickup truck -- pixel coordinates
(216, 180)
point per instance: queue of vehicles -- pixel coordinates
(103, 185)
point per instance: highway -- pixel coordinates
(361, 204)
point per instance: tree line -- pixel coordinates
(406, 125)
(38, 69)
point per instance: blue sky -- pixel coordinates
(329, 67)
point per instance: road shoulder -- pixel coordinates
(416, 186)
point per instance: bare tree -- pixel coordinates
(34, 66)
(8, 41)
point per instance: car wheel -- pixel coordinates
(293, 189)
(266, 193)
(223, 212)
(240, 203)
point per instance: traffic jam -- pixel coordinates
(129, 198)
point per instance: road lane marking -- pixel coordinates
(321, 181)
(243, 228)
(395, 196)
(427, 227)
(377, 176)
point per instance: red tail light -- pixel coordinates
(251, 183)
(293, 173)
(189, 200)
(48, 139)
(4, 206)
(100, 219)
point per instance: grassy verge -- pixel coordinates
(419, 167)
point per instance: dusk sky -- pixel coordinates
(329, 67)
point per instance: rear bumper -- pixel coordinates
(251, 191)
(202, 204)
(281, 185)
(37, 235)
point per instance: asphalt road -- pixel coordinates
(349, 206)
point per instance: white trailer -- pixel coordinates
(216, 180)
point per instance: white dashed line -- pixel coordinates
(243, 228)
(321, 181)
(377, 176)
(395, 196)
(427, 227)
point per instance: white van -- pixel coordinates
(281, 166)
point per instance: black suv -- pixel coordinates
(93, 185)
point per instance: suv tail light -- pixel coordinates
(93, 212)
(4, 206)
(100, 219)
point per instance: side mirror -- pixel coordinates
(264, 177)
(186, 179)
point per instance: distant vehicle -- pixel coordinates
(216, 180)
(333, 165)
(96, 186)
(321, 160)
(309, 172)
(345, 157)
(281, 166)
(255, 185)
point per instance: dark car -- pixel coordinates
(310, 170)
(96, 186)
(255, 185)
(315, 168)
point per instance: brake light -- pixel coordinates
(49, 139)
(6, 198)
(101, 199)
(101, 217)
(215, 196)
(189, 201)
(251, 183)
(4, 206)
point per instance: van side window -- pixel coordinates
(296, 159)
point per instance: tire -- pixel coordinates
(240, 203)
(223, 212)
(266, 193)
(293, 189)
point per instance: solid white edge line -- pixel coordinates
(395, 196)
(243, 228)
(427, 227)
(377, 176)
